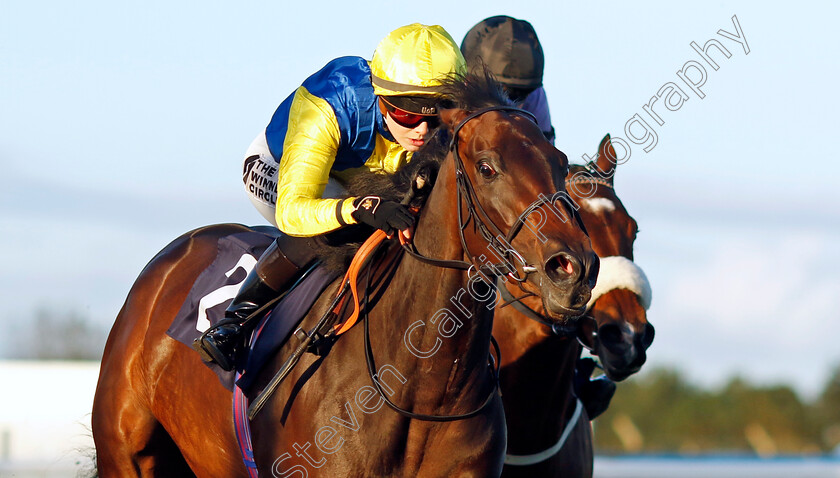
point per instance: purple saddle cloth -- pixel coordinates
(215, 288)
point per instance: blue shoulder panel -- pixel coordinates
(345, 84)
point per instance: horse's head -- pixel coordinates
(513, 206)
(622, 295)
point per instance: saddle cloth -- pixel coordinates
(215, 289)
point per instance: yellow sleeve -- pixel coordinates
(309, 151)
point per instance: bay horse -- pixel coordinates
(158, 411)
(538, 364)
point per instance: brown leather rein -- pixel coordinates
(489, 231)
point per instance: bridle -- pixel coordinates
(494, 237)
(497, 241)
(574, 329)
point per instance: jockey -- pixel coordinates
(510, 49)
(351, 116)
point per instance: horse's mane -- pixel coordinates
(475, 90)
(469, 92)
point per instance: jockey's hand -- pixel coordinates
(595, 393)
(381, 214)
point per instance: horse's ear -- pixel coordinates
(451, 117)
(606, 159)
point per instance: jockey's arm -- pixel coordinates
(537, 104)
(309, 151)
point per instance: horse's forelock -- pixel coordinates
(475, 90)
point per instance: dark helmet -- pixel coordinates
(510, 49)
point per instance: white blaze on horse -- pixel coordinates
(549, 434)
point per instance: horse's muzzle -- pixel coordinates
(571, 278)
(622, 348)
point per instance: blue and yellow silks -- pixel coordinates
(330, 126)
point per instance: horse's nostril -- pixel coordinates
(594, 268)
(647, 336)
(611, 336)
(560, 267)
(610, 333)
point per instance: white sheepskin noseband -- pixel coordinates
(618, 272)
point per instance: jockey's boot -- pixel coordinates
(273, 273)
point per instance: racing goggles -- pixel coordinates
(408, 119)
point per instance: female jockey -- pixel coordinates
(351, 116)
(512, 52)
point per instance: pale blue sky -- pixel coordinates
(122, 125)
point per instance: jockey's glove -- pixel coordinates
(595, 393)
(382, 214)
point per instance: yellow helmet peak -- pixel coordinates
(413, 60)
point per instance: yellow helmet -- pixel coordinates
(412, 60)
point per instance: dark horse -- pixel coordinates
(538, 365)
(159, 412)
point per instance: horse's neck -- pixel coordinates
(527, 335)
(538, 376)
(436, 329)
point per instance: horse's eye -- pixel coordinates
(486, 170)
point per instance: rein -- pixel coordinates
(466, 195)
(495, 364)
(639, 286)
(516, 302)
(497, 240)
(494, 237)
